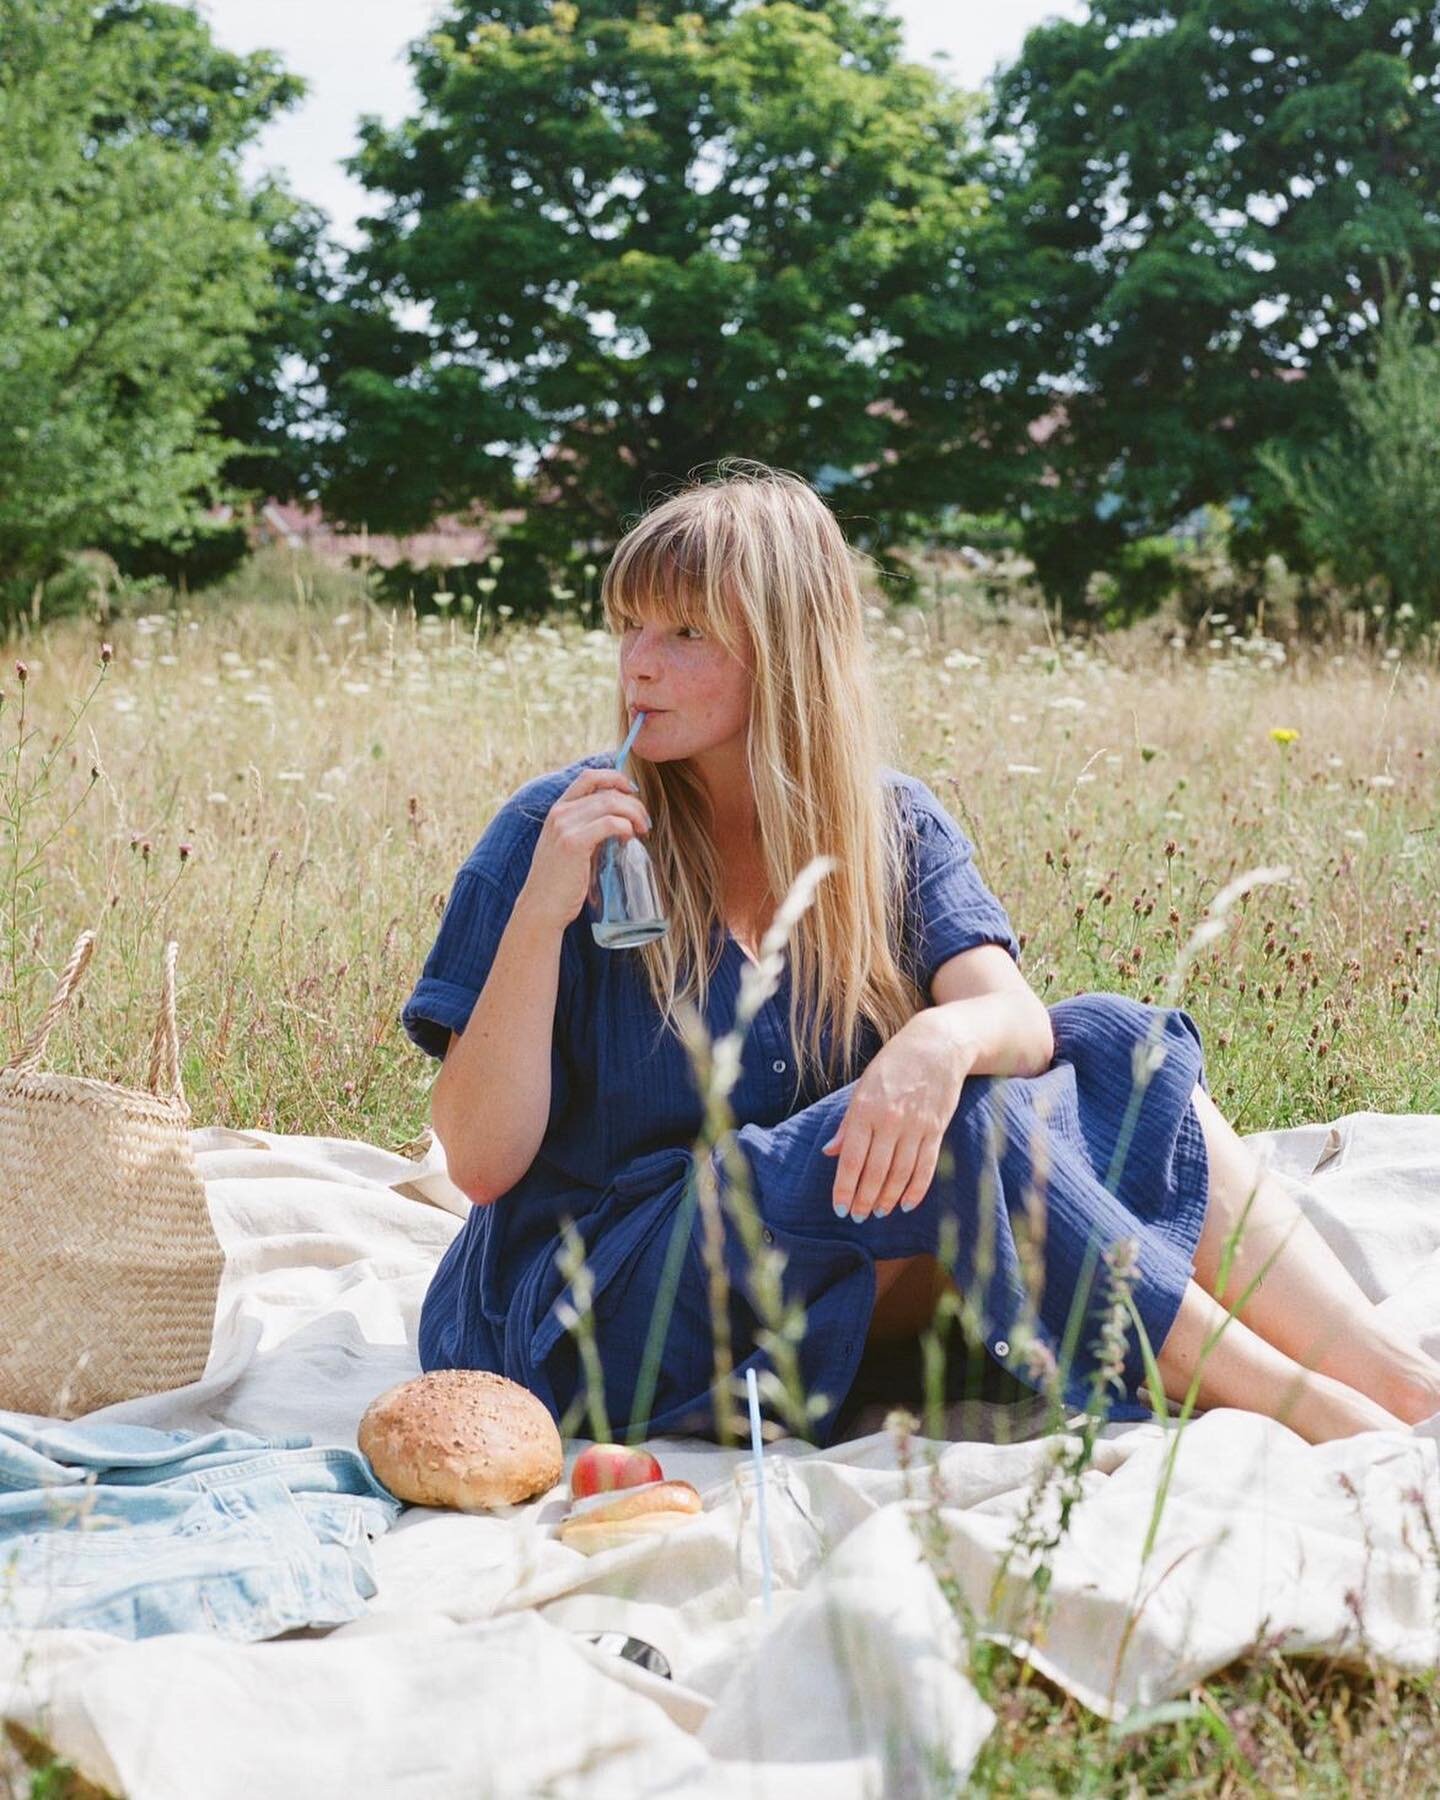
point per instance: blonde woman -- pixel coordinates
(902, 1038)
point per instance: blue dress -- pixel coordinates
(625, 1111)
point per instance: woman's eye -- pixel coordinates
(693, 631)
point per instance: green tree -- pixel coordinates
(633, 238)
(1366, 498)
(134, 270)
(270, 404)
(275, 396)
(1208, 192)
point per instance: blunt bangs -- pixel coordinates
(672, 570)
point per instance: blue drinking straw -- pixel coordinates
(630, 738)
(753, 1393)
(607, 855)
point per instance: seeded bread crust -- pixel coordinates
(466, 1439)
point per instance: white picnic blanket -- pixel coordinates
(469, 1675)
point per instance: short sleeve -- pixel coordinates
(456, 970)
(477, 910)
(476, 914)
(950, 907)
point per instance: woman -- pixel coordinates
(903, 1073)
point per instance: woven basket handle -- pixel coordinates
(34, 1048)
(164, 1046)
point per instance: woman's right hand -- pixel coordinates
(598, 804)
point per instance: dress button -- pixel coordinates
(1002, 1349)
(768, 1235)
(778, 1065)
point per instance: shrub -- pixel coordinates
(1366, 497)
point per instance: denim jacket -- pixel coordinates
(136, 1531)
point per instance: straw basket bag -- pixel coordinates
(109, 1265)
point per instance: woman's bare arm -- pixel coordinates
(1001, 1022)
(491, 1100)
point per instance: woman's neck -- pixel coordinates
(724, 774)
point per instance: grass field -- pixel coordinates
(287, 785)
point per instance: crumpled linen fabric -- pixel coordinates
(470, 1670)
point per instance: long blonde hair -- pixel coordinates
(756, 559)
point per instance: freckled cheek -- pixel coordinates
(714, 700)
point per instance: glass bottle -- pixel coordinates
(624, 893)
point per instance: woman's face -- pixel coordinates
(694, 693)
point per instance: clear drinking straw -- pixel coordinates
(753, 1393)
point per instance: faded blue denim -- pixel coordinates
(136, 1531)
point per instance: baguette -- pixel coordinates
(607, 1521)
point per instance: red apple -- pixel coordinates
(603, 1467)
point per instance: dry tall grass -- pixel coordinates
(289, 788)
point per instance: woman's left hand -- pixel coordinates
(889, 1139)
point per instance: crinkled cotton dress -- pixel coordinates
(625, 1111)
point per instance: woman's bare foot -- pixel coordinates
(1324, 1408)
(1415, 1393)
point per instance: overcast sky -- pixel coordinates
(352, 54)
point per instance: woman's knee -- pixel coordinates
(1161, 1042)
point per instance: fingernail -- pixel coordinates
(634, 785)
(908, 1205)
(842, 1211)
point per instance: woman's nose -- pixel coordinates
(638, 657)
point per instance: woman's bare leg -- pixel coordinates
(1242, 1370)
(1304, 1301)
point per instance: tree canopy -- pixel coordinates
(622, 240)
(135, 273)
(1209, 193)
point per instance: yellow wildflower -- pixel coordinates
(1283, 734)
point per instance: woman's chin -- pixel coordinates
(657, 746)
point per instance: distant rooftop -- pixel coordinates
(448, 540)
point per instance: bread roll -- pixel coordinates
(462, 1438)
(605, 1521)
